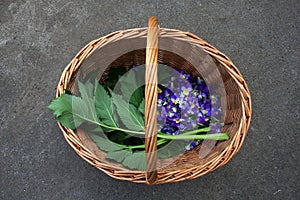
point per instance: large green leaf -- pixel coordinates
(173, 148)
(104, 106)
(71, 111)
(118, 156)
(87, 95)
(104, 144)
(61, 104)
(142, 107)
(128, 114)
(86, 90)
(136, 160)
(128, 84)
(164, 73)
(131, 88)
(137, 97)
(67, 120)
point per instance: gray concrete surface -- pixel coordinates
(38, 39)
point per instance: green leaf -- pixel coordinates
(67, 120)
(118, 156)
(128, 114)
(137, 116)
(129, 85)
(174, 148)
(164, 72)
(86, 90)
(136, 160)
(61, 104)
(87, 95)
(104, 106)
(132, 160)
(142, 107)
(137, 97)
(104, 143)
(70, 110)
(97, 130)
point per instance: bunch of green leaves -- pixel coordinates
(95, 107)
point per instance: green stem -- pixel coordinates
(125, 130)
(217, 136)
(206, 129)
(138, 132)
(142, 146)
(109, 127)
(184, 136)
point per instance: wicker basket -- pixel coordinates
(188, 165)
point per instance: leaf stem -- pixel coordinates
(109, 127)
(206, 129)
(216, 136)
(142, 146)
(184, 136)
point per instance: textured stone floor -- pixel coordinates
(39, 38)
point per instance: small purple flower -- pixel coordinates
(192, 145)
(216, 128)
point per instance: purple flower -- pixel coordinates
(185, 104)
(216, 128)
(192, 145)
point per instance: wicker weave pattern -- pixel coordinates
(151, 81)
(163, 175)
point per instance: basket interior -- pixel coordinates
(190, 158)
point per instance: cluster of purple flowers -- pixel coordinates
(185, 104)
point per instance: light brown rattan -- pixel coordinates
(237, 119)
(151, 81)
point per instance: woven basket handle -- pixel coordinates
(151, 99)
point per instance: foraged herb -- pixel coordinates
(121, 123)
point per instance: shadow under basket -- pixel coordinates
(180, 50)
